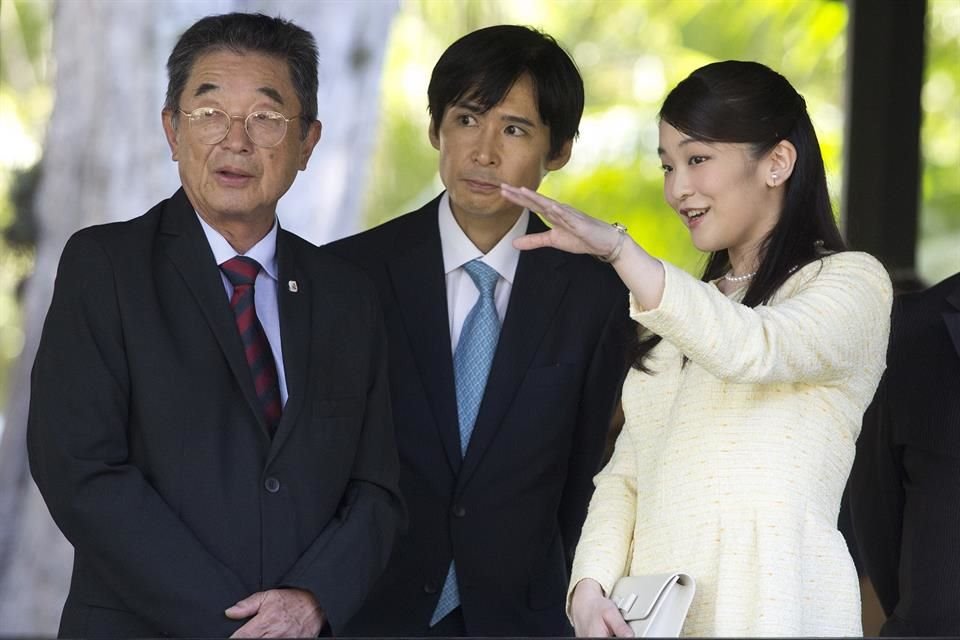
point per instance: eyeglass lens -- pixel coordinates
(265, 128)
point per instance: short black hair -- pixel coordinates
(248, 32)
(483, 65)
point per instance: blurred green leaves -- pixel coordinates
(939, 253)
(25, 103)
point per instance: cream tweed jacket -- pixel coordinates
(731, 468)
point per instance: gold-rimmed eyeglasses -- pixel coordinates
(211, 126)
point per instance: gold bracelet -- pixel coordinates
(613, 255)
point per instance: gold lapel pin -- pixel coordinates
(292, 286)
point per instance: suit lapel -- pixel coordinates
(294, 304)
(421, 293)
(951, 316)
(538, 288)
(188, 249)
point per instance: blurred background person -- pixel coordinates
(905, 484)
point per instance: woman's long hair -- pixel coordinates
(747, 102)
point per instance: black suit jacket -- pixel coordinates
(510, 511)
(905, 484)
(146, 443)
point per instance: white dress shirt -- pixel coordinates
(458, 250)
(264, 289)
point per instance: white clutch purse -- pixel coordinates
(654, 605)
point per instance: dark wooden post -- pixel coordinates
(881, 195)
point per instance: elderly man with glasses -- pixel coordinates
(209, 419)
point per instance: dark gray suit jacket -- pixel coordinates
(146, 442)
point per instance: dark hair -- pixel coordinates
(483, 65)
(747, 102)
(248, 32)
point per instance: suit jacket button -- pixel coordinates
(271, 484)
(430, 588)
(459, 511)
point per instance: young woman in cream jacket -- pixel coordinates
(749, 385)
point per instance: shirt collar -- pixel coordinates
(264, 252)
(458, 249)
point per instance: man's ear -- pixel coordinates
(308, 143)
(560, 158)
(780, 162)
(434, 138)
(170, 131)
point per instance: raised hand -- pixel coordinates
(576, 232)
(573, 230)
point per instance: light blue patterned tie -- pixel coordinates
(471, 366)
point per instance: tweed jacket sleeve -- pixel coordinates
(821, 325)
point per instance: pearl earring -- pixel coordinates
(774, 177)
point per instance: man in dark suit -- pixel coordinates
(905, 484)
(504, 368)
(216, 443)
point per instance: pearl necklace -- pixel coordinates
(743, 278)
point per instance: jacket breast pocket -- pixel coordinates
(351, 406)
(559, 374)
(336, 426)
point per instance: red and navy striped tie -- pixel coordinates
(242, 273)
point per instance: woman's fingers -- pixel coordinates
(526, 197)
(555, 212)
(614, 621)
(595, 615)
(573, 219)
(533, 241)
(573, 230)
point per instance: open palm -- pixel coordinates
(573, 231)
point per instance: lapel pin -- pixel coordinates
(292, 286)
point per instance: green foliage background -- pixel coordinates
(939, 251)
(25, 103)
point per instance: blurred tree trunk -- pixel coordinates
(105, 159)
